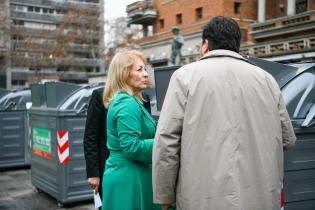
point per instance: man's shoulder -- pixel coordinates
(97, 94)
(98, 91)
(188, 67)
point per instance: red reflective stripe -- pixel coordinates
(282, 198)
(63, 147)
(67, 160)
(61, 134)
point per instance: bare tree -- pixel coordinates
(72, 43)
(79, 34)
(119, 36)
(4, 33)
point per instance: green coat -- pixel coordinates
(127, 180)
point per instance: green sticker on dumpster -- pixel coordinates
(41, 142)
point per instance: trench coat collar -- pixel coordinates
(228, 53)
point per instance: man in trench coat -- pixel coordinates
(222, 131)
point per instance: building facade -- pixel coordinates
(4, 35)
(52, 40)
(284, 32)
(274, 29)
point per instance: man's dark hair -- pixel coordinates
(222, 33)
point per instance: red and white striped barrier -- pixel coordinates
(282, 199)
(63, 147)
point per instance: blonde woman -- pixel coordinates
(127, 181)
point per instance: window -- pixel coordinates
(18, 82)
(18, 22)
(179, 19)
(33, 9)
(30, 9)
(198, 13)
(237, 7)
(301, 6)
(58, 11)
(17, 7)
(161, 23)
(282, 8)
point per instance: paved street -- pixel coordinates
(17, 193)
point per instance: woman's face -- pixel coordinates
(138, 78)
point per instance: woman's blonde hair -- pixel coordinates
(118, 75)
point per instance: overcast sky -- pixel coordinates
(116, 8)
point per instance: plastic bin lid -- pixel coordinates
(15, 100)
(282, 73)
(38, 94)
(79, 101)
(58, 92)
(3, 92)
(299, 94)
(51, 94)
(297, 83)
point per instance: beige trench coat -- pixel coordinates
(220, 137)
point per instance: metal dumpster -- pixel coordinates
(14, 130)
(297, 83)
(57, 120)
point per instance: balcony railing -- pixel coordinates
(58, 3)
(47, 62)
(280, 47)
(284, 25)
(141, 12)
(56, 33)
(37, 16)
(138, 4)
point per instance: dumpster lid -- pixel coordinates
(15, 100)
(3, 92)
(297, 83)
(281, 72)
(51, 95)
(299, 94)
(79, 101)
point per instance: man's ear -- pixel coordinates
(204, 47)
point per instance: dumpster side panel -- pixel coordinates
(75, 181)
(301, 205)
(45, 168)
(299, 181)
(12, 140)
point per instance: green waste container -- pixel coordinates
(57, 119)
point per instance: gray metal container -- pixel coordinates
(297, 83)
(14, 129)
(58, 164)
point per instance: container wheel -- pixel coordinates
(60, 204)
(37, 190)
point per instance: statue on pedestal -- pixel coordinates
(177, 44)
